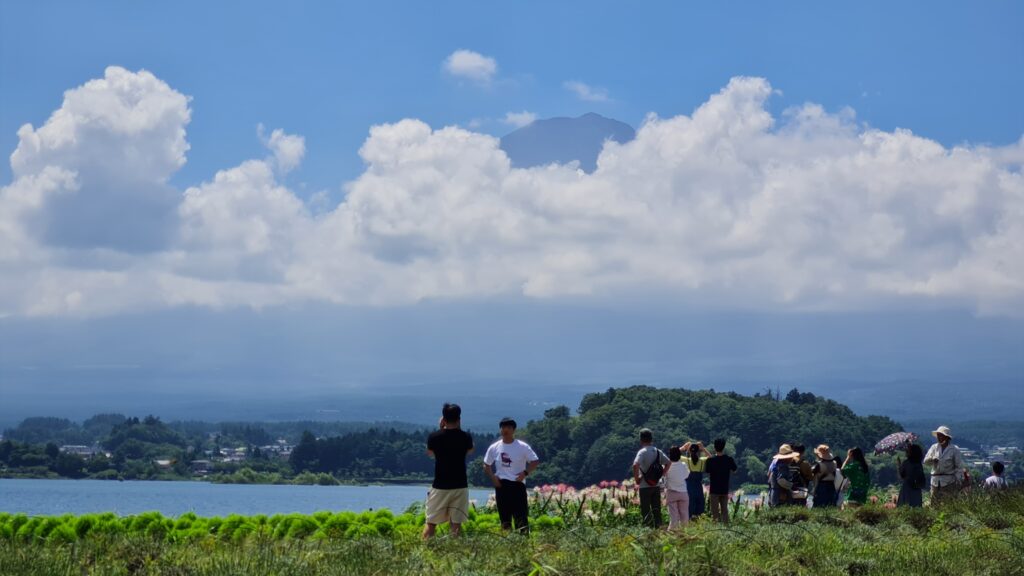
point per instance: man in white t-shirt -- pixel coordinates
(507, 463)
(996, 481)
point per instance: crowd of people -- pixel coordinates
(679, 476)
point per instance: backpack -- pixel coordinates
(656, 470)
(780, 475)
(840, 482)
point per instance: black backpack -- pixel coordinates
(656, 470)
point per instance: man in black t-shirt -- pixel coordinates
(719, 467)
(448, 499)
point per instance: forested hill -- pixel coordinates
(599, 443)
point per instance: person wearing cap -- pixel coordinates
(780, 481)
(448, 498)
(824, 471)
(947, 464)
(507, 463)
(649, 467)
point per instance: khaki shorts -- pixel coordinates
(447, 506)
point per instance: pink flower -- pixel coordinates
(614, 483)
(603, 484)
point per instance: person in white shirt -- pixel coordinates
(996, 480)
(947, 464)
(677, 498)
(507, 463)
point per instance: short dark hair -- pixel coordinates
(719, 445)
(451, 412)
(506, 421)
(798, 448)
(998, 467)
(646, 435)
(674, 454)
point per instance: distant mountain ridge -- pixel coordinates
(562, 140)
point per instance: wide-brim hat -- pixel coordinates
(824, 452)
(785, 451)
(944, 430)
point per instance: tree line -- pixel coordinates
(596, 443)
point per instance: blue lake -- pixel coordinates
(54, 497)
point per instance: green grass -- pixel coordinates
(981, 534)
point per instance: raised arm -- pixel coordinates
(932, 457)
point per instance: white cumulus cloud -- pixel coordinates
(727, 207)
(122, 136)
(519, 119)
(586, 92)
(471, 65)
(288, 149)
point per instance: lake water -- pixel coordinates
(53, 497)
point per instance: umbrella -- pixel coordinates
(895, 441)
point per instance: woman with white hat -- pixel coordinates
(947, 464)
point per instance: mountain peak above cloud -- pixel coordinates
(562, 140)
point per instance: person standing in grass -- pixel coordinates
(996, 480)
(855, 469)
(801, 476)
(649, 466)
(824, 471)
(676, 496)
(947, 464)
(448, 498)
(780, 478)
(912, 478)
(695, 481)
(507, 463)
(720, 467)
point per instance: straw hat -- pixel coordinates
(944, 430)
(785, 452)
(823, 452)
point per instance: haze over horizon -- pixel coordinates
(333, 221)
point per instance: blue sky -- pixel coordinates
(811, 168)
(947, 70)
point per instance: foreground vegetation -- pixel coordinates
(980, 534)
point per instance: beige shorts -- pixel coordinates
(447, 506)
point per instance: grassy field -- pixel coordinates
(980, 534)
